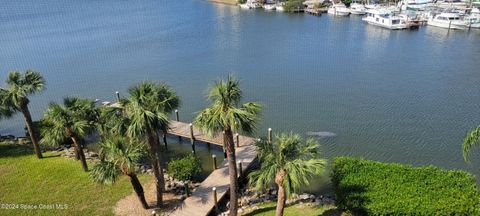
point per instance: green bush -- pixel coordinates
(184, 169)
(367, 187)
(293, 5)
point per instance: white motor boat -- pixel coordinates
(358, 9)
(447, 20)
(372, 6)
(472, 21)
(279, 7)
(245, 6)
(339, 9)
(475, 10)
(269, 7)
(384, 18)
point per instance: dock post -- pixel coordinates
(240, 171)
(215, 201)
(165, 140)
(214, 157)
(192, 139)
(237, 138)
(177, 117)
(118, 96)
(449, 25)
(224, 142)
(270, 137)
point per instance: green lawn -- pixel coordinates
(268, 209)
(53, 180)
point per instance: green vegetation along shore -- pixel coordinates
(53, 180)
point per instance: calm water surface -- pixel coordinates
(397, 96)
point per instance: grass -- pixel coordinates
(24, 179)
(268, 209)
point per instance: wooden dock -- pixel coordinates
(201, 201)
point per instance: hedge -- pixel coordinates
(366, 187)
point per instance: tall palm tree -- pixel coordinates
(288, 162)
(146, 111)
(73, 120)
(15, 98)
(121, 157)
(227, 115)
(472, 139)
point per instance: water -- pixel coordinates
(396, 96)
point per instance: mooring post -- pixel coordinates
(214, 158)
(177, 118)
(270, 135)
(192, 138)
(224, 142)
(449, 25)
(165, 140)
(215, 201)
(240, 169)
(118, 96)
(237, 138)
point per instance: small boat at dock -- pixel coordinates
(357, 9)
(446, 20)
(269, 7)
(339, 9)
(385, 18)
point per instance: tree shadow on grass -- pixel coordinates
(260, 211)
(14, 150)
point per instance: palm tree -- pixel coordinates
(73, 120)
(14, 98)
(289, 163)
(471, 140)
(146, 111)
(120, 157)
(227, 115)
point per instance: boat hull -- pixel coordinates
(445, 25)
(391, 27)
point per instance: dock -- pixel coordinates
(202, 201)
(313, 11)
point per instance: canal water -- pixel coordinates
(393, 96)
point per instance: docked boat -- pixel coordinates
(472, 21)
(269, 7)
(385, 18)
(245, 6)
(416, 5)
(357, 9)
(339, 9)
(279, 7)
(372, 6)
(475, 10)
(446, 20)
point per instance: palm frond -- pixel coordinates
(105, 172)
(472, 139)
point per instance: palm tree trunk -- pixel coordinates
(157, 169)
(137, 186)
(31, 130)
(281, 195)
(80, 153)
(232, 171)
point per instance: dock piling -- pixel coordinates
(240, 172)
(237, 138)
(215, 201)
(270, 136)
(214, 158)
(118, 96)
(177, 117)
(192, 138)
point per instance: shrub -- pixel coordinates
(367, 187)
(184, 169)
(293, 5)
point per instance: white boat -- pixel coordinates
(417, 5)
(447, 20)
(339, 9)
(385, 18)
(472, 21)
(475, 10)
(372, 6)
(279, 7)
(358, 9)
(245, 6)
(269, 7)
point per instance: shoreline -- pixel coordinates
(226, 2)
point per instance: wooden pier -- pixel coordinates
(203, 200)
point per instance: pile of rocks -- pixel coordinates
(70, 153)
(177, 187)
(250, 200)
